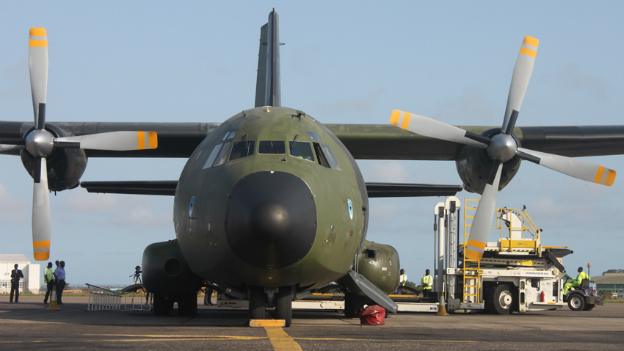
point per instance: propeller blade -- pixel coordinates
(429, 127)
(482, 223)
(112, 141)
(520, 81)
(38, 67)
(41, 220)
(8, 148)
(573, 167)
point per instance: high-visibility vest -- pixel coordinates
(427, 282)
(403, 279)
(580, 277)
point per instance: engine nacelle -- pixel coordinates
(380, 264)
(165, 270)
(65, 165)
(475, 167)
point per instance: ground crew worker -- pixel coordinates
(59, 274)
(402, 277)
(16, 275)
(576, 282)
(427, 281)
(49, 279)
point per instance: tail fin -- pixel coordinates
(268, 82)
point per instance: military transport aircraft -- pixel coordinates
(271, 202)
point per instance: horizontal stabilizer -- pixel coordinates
(136, 187)
(358, 283)
(410, 190)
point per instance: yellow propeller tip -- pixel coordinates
(529, 40)
(394, 117)
(38, 32)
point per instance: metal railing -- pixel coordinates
(104, 299)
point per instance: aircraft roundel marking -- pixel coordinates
(350, 208)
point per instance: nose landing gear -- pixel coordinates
(258, 303)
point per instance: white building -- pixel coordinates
(32, 274)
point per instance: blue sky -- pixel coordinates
(343, 62)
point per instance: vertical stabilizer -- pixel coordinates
(268, 82)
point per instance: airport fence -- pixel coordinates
(104, 299)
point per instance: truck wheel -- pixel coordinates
(502, 299)
(576, 302)
(589, 307)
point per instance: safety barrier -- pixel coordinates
(104, 299)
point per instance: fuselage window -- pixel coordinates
(301, 149)
(223, 154)
(242, 149)
(272, 147)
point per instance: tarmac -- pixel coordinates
(27, 326)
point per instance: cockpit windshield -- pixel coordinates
(301, 149)
(242, 149)
(272, 147)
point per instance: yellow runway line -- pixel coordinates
(281, 341)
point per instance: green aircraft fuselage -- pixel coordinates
(271, 198)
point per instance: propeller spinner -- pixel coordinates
(40, 143)
(502, 147)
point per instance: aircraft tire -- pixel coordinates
(257, 303)
(283, 305)
(162, 305)
(187, 305)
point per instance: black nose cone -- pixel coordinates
(271, 219)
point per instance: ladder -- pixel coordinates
(471, 268)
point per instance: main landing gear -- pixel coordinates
(258, 303)
(187, 304)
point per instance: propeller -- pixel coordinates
(502, 147)
(40, 143)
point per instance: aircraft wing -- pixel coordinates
(364, 141)
(168, 187)
(386, 142)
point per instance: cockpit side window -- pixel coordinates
(212, 156)
(242, 149)
(301, 149)
(320, 156)
(324, 156)
(223, 154)
(272, 147)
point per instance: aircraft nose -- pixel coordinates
(271, 219)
